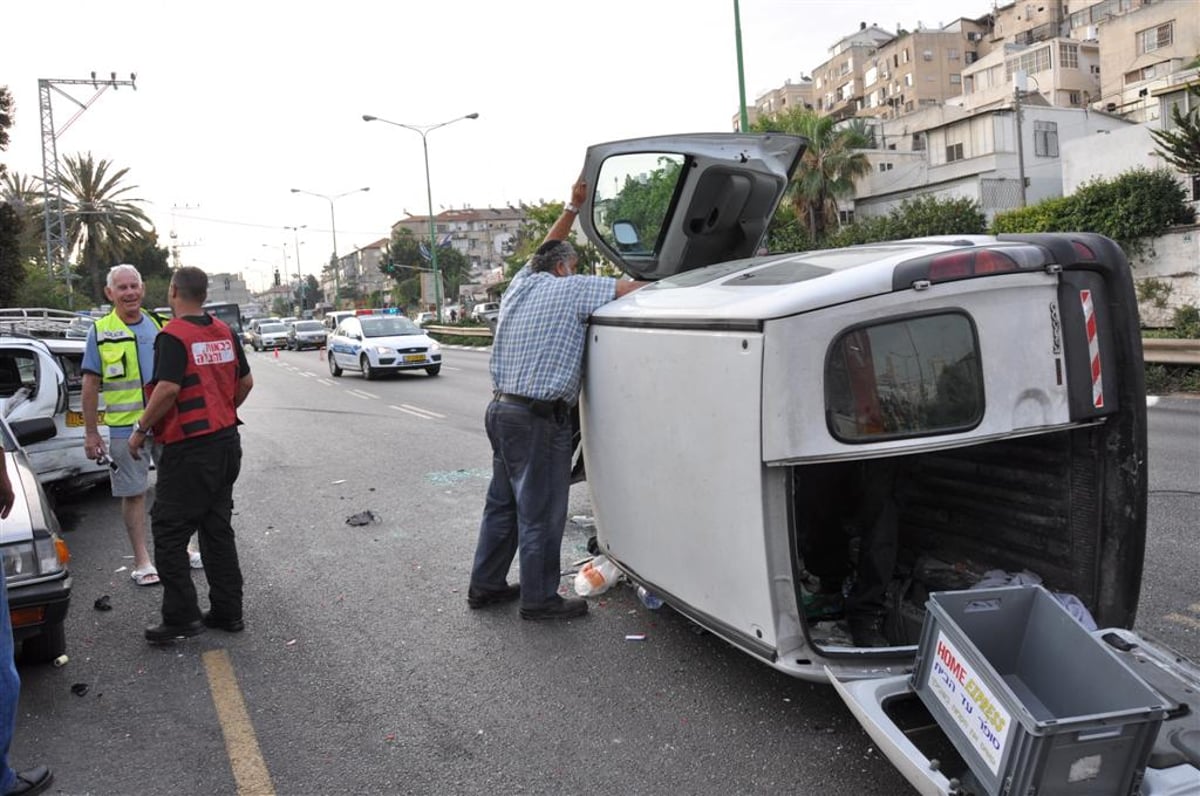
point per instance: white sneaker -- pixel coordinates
(195, 560)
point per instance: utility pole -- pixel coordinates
(744, 119)
(1018, 90)
(55, 224)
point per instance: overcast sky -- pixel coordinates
(237, 102)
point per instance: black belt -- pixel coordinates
(557, 409)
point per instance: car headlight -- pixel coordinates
(43, 556)
(434, 345)
(383, 350)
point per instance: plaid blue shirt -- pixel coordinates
(538, 349)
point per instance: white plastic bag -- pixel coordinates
(596, 577)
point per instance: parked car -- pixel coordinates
(743, 383)
(333, 318)
(43, 378)
(35, 556)
(377, 344)
(423, 318)
(305, 334)
(267, 336)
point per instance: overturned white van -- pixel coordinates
(996, 382)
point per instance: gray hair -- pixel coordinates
(551, 253)
(117, 270)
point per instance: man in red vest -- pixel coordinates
(201, 376)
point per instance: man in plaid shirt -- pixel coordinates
(537, 362)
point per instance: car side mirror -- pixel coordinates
(35, 429)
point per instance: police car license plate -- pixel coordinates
(414, 357)
(75, 419)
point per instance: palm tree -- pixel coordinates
(99, 215)
(829, 167)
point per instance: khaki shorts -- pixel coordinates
(132, 476)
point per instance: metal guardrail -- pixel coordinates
(460, 331)
(1170, 351)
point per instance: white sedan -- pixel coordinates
(377, 344)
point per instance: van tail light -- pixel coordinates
(24, 617)
(968, 263)
(961, 265)
(64, 555)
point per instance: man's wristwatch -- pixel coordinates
(571, 208)
(137, 429)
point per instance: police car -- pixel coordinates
(377, 344)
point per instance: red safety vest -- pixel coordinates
(205, 402)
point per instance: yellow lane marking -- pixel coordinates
(249, 770)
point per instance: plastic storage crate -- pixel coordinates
(1032, 701)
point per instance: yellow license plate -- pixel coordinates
(75, 419)
(414, 357)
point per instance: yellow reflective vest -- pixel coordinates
(120, 377)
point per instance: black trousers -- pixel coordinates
(195, 493)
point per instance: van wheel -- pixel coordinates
(334, 370)
(433, 370)
(367, 371)
(46, 647)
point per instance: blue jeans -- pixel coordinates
(526, 507)
(10, 690)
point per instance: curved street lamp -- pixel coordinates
(337, 284)
(424, 130)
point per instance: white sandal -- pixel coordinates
(195, 560)
(147, 576)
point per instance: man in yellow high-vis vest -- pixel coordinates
(118, 360)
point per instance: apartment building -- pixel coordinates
(838, 82)
(1057, 71)
(778, 101)
(482, 235)
(951, 153)
(1027, 22)
(358, 274)
(920, 68)
(1139, 52)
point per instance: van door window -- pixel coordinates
(903, 378)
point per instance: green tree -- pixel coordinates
(532, 232)
(100, 215)
(24, 195)
(12, 274)
(41, 289)
(828, 169)
(1181, 146)
(643, 200)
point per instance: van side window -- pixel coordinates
(903, 378)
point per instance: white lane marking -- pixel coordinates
(366, 396)
(306, 374)
(424, 411)
(421, 415)
(326, 382)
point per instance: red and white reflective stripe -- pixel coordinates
(1089, 318)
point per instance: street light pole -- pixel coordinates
(337, 283)
(423, 131)
(299, 276)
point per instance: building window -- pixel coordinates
(1036, 61)
(970, 57)
(1156, 38)
(904, 55)
(927, 55)
(846, 216)
(1068, 55)
(1045, 139)
(955, 79)
(908, 81)
(952, 54)
(918, 142)
(1196, 187)
(885, 166)
(1073, 98)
